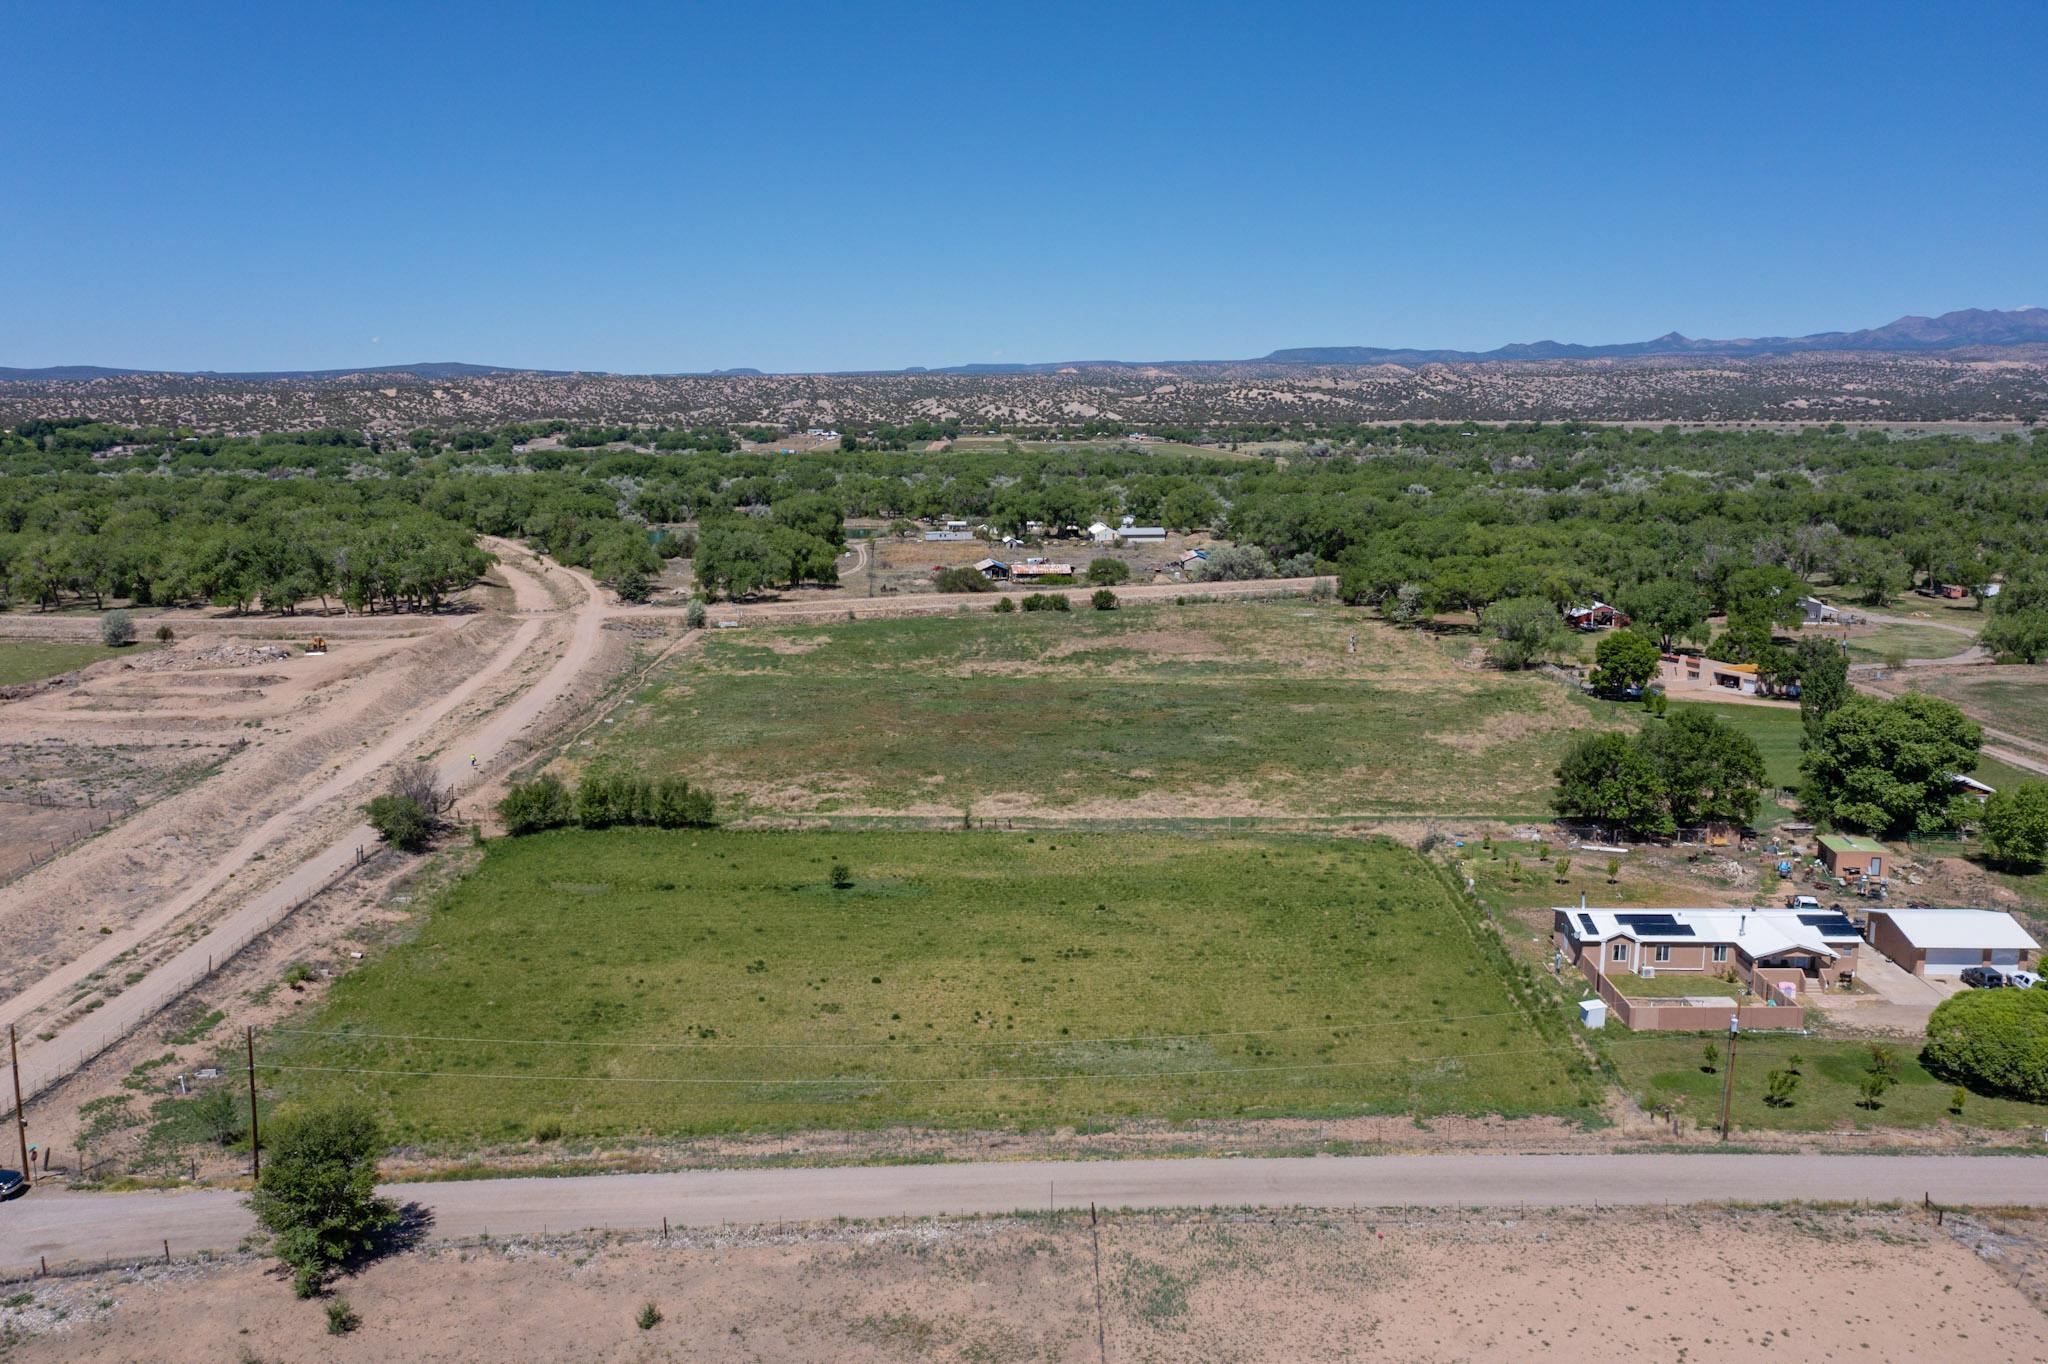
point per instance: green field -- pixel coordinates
(2012, 698)
(1657, 1069)
(1906, 641)
(1162, 712)
(34, 660)
(681, 983)
(1778, 729)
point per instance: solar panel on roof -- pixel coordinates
(1587, 921)
(1839, 925)
(1656, 925)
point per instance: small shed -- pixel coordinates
(992, 569)
(1944, 942)
(1848, 855)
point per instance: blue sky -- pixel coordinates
(674, 186)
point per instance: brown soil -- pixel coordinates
(1698, 1284)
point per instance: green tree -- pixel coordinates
(1709, 772)
(2015, 826)
(1779, 1086)
(401, 821)
(1994, 1041)
(1823, 668)
(1107, 572)
(1625, 659)
(318, 1193)
(1103, 599)
(1525, 631)
(1888, 767)
(1606, 778)
(529, 807)
(2018, 628)
(1669, 609)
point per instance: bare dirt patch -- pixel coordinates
(1155, 1286)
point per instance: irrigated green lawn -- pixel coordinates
(1656, 1068)
(1886, 642)
(677, 983)
(1778, 729)
(33, 660)
(1164, 712)
(2011, 698)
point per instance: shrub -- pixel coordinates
(117, 628)
(1779, 1086)
(1047, 601)
(962, 579)
(165, 634)
(318, 1194)
(1993, 1041)
(1107, 572)
(401, 821)
(1103, 600)
(529, 807)
(693, 614)
(842, 876)
(649, 1318)
(1710, 1058)
(341, 1318)
(1005, 606)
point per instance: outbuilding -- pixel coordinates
(1849, 856)
(1943, 942)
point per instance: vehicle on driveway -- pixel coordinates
(12, 1185)
(2022, 980)
(1983, 977)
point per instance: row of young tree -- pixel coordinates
(604, 801)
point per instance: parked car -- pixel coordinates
(1805, 902)
(2022, 980)
(12, 1184)
(1983, 977)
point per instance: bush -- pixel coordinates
(165, 634)
(532, 806)
(1108, 572)
(1103, 600)
(1232, 563)
(1779, 1086)
(962, 579)
(318, 1194)
(117, 628)
(341, 1318)
(842, 876)
(649, 1318)
(1005, 606)
(1047, 601)
(693, 614)
(1993, 1041)
(402, 822)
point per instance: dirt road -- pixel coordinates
(47, 1061)
(68, 1227)
(825, 607)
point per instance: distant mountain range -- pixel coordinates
(1967, 328)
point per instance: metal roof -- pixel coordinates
(1965, 928)
(1842, 843)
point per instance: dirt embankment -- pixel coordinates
(1700, 1285)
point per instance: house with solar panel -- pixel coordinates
(1777, 954)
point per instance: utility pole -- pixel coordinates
(28, 1171)
(255, 1145)
(1728, 1079)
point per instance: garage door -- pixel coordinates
(1949, 961)
(2005, 957)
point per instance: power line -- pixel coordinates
(344, 1034)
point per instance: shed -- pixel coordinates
(1942, 942)
(1848, 855)
(992, 568)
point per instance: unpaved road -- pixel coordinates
(67, 1227)
(824, 607)
(47, 1062)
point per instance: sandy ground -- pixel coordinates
(182, 885)
(1695, 1285)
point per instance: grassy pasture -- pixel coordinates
(1659, 1068)
(718, 982)
(2013, 698)
(1906, 641)
(1163, 712)
(33, 660)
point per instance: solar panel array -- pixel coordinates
(1655, 925)
(1832, 925)
(1586, 920)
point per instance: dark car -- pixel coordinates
(12, 1184)
(1982, 977)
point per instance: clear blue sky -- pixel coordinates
(678, 186)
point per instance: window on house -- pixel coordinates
(1663, 954)
(1621, 951)
(1721, 952)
